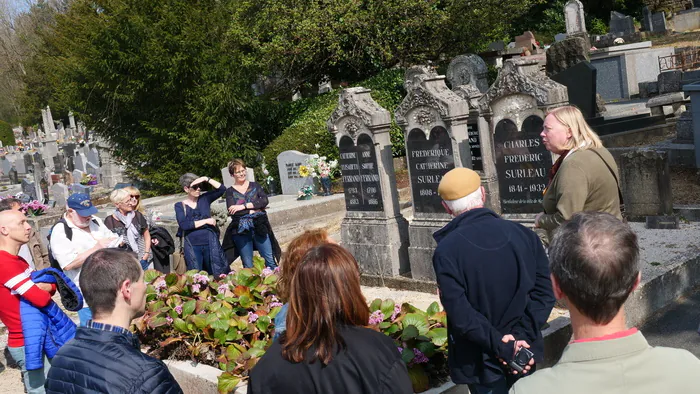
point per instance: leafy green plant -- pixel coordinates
(228, 322)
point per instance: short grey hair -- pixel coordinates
(471, 201)
(187, 179)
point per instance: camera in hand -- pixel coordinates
(521, 360)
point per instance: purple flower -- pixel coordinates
(222, 288)
(202, 312)
(376, 317)
(276, 270)
(275, 304)
(266, 272)
(203, 279)
(169, 319)
(419, 358)
(195, 288)
(397, 310)
(400, 349)
(161, 285)
(252, 317)
(178, 309)
(222, 276)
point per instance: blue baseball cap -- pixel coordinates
(80, 203)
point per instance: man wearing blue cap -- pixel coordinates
(76, 236)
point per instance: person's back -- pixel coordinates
(369, 364)
(616, 366)
(104, 356)
(594, 263)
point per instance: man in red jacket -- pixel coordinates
(16, 282)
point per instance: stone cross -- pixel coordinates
(468, 70)
(373, 230)
(575, 18)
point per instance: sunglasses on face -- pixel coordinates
(135, 197)
(195, 187)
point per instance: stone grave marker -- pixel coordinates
(621, 24)
(93, 156)
(645, 179)
(38, 159)
(78, 188)
(92, 169)
(373, 228)
(434, 120)
(29, 189)
(77, 175)
(662, 222)
(14, 177)
(6, 165)
(38, 175)
(527, 41)
(560, 37)
(523, 163)
(80, 162)
(646, 19)
(658, 22)
(580, 81)
(288, 163)
(567, 53)
(59, 163)
(575, 18)
(468, 70)
(59, 193)
(28, 163)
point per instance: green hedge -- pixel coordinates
(310, 115)
(6, 135)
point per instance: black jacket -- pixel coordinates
(493, 276)
(371, 363)
(99, 361)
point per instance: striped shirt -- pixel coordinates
(16, 282)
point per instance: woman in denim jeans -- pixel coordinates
(250, 228)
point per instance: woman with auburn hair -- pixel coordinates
(584, 177)
(288, 266)
(327, 347)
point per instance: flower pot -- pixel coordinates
(326, 184)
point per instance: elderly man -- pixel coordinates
(494, 284)
(594, 263)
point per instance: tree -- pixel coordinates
(7, 137)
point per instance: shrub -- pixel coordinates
(7, 136)
(310, 116)
(228, 322)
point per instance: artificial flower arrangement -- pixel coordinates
(305, 193)
(319, 166)
(88, 179)
(34, 208)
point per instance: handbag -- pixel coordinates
(619, 191)
(179, 263)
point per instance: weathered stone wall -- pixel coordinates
(668, 5)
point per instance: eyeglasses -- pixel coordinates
(241, 172)
(136, 197)
(195, 187)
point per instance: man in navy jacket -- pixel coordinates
(494, 284)
(104, 356)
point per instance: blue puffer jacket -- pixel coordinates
(46, 329)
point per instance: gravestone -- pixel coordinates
(93, 156)
(59, 163)
(527, 41)
(29, 189)
(38, 159)
(93, 169)
(14, 177)
(39, 181)
(373, 229)
(560, 37)
(288, 163)
(580, 81)
(434, 120)
(523, 163)
(564, 54)
(78, 188)
(59, 193)
(621, 24)
(77, 176)
(20, 166)
(6, 165)
(646, 19)
(575, 18)
(658, 22)
(468, 70)
(645, 179)
(515, 106)
(69, 153)
(28, 162)
(80, 162)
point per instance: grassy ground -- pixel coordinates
(680, 40)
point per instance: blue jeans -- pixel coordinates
(281, 321)
(84, 314)
(244, 243)
(33, 380)
(497, 387)
(144, 264)
(202, 256)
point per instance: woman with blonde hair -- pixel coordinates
(584, 177)
(131, 225)
(135, 198)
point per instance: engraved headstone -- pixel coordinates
(288, 163)
(620, 23)
(475, 145)
(658, 22)
(428, 160)
(580, 81)
(575, 18)
(522, 163)
(59, 163)
(646, 19)
(358, 165)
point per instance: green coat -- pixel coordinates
(616, 366)
(583, 183)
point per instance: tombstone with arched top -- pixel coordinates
(373, 229)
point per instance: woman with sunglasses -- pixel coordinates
(197, 229)
(135, 198)
(131, 225)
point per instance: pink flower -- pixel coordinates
(276, 270)
(169, 319)
(203, 279)
(222, 288)
(202, 312)
(275, 304)
(252, 317)
(266, 272)
(178, 309)
(376, 317)
(397, 310)
(160, 284)
(222, 276)
(195, 288)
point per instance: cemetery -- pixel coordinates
(485, 113)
